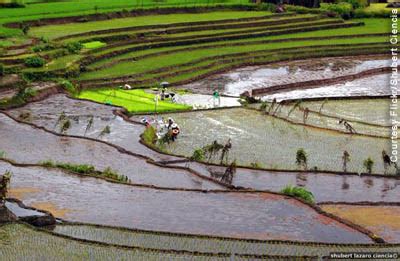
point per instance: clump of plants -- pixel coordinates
(34, 62)
(368, 165)
(4, 183)
(150, 135)
(198, 155)
(65, 126)
(105, 131)
(298, 192)
(69, 87)
(301, 158)
(256, 165)
(74, 47)
(85, 169)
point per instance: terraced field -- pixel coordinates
(90, 150)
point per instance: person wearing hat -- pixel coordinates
(174, 131)
(170, 122)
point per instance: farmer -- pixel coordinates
(174, 131)
(216, 97)
(170, 122)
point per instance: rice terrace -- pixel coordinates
(199, 130)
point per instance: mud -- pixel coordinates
(261, 215)
(382, 220)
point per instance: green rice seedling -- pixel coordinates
(298, 192)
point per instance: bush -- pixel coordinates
(298, 192)
(42, 47)
(35, 62)
(345, 10)
(74, 47)
(1, 69)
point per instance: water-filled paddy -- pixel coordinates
(366, 116)
(325, 187)
(382, 220)
(25, 144)
(377, 85)
(273, 142)
(256, 215)
(245, 79)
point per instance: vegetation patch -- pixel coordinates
(93, 45)
(85, 169)
(135, 101)
(298, 192)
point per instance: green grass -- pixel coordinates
(86, 7)
(137, 101)
(93, 45)
(298, 192)
(376, 7)
(55, 31)
(127, 68)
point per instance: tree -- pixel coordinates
(301, 158)
(368, 165)
(345, 159)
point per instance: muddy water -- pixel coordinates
(377, 85)
(272, 142)
(381, 220)
(354, 109)
(262, 215)
(201, 101)
(46, 113)
(238, 81)
(24, 144)
(358, 114)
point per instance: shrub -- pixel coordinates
(368, 165)
(74, 47)
(35, 62)
(345, 10)
(256, 165)
(42, 47)
(298, 192)
(1, 69)
(4, 184)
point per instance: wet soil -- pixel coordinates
(382, 220)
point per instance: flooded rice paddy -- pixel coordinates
(245, 79)
(272, 143)
(376, 85)
(381, 220)
(366, 116)
(242, 215)
(25, 144)
(325, 187)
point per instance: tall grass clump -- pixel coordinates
(298, 192)
(150, 135)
